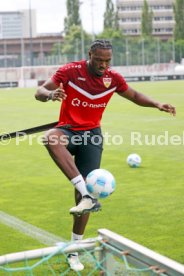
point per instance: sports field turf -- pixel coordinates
(148, 204)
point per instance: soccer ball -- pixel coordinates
(134, 160)
(100, 183)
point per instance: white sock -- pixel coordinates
(80, 184)
(76, 237)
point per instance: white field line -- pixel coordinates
(30, 230)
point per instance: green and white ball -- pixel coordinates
(134, 160)
(100, 183)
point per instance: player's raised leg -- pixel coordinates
(88, 158)
(56, 143)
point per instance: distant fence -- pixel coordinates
(36, 75)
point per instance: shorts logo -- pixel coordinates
(107, 82)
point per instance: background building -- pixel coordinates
(20, 45)
(129, 13)
(17, 24)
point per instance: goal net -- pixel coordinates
(108, 254)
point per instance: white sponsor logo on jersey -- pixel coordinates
(76, 102)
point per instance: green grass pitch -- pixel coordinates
(148, 204)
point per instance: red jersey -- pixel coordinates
(87, 94)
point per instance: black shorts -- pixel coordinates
(86, 146)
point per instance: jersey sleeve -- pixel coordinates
(61, 75)
(122, 85)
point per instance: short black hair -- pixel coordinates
(101, 44)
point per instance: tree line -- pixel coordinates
(126, 49)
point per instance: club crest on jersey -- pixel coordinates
(107, 82)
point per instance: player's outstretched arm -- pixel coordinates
(143, 100)
(50, 91)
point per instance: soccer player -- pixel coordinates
(84, 89)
